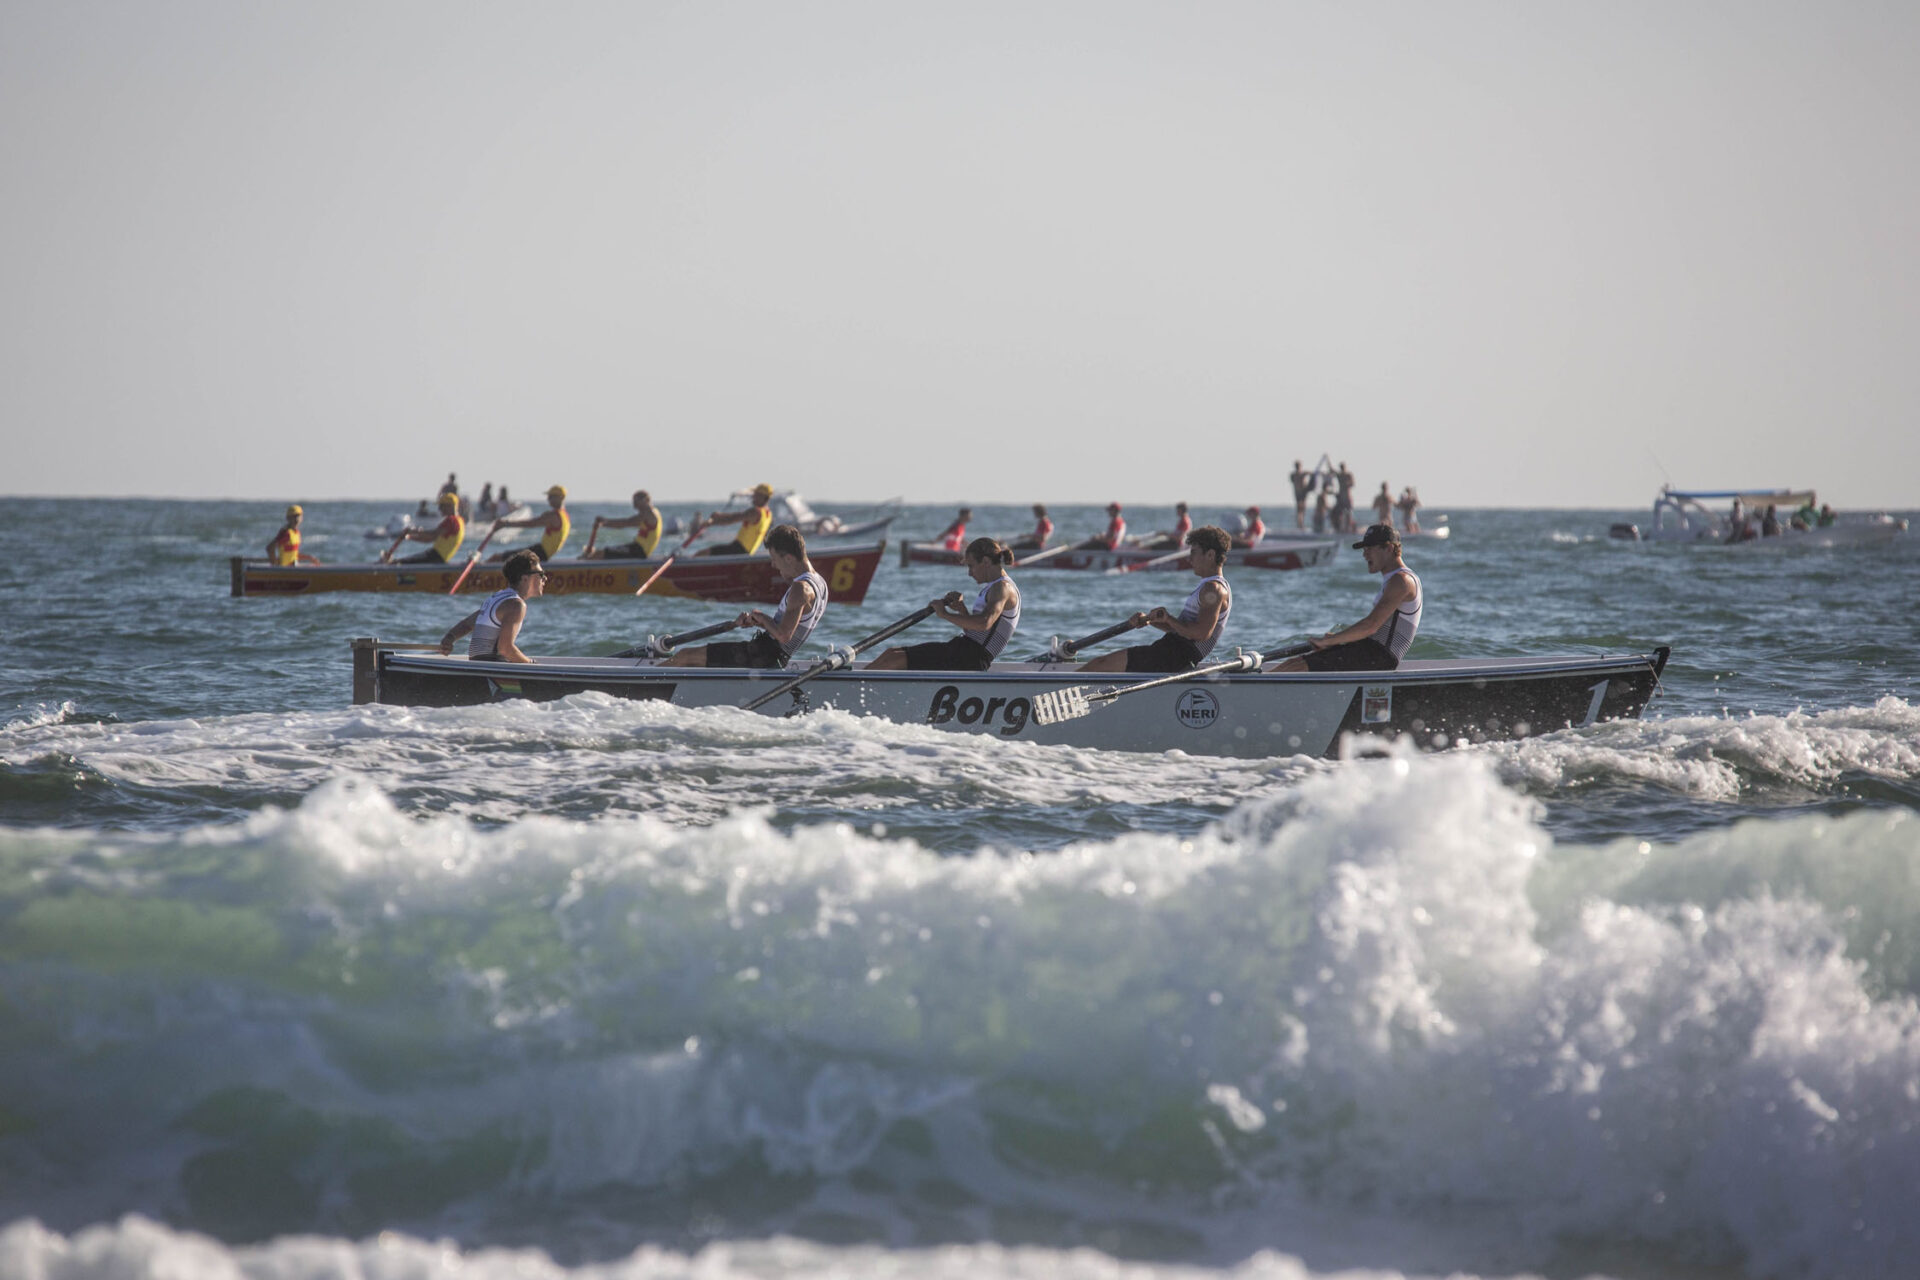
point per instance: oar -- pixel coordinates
(474, 559)
(842, 657)
(691, 535)
(1154, 563)
(1060, 650)
(659, 648)
(1038, 556)
(387, 555)
(592, 535)
(1073, 702)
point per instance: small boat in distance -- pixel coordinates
(1682, 515)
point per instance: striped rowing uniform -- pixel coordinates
(993, 639)
(1191, 611)
(1397, 632)
(485, 641)
(808, 620)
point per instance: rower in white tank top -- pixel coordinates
(993, 639)
(1397, 632)
(808, 620)
(1191, 610)
(485, 643)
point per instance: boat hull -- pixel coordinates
(730, 579)
(1292, 553)
(1432, 703)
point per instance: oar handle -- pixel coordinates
(1072, 647)
(718, 628)
(842, 657)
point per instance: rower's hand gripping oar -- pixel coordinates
(842, 657)
(692, 533)
(660, 647)
(1065, 650)
(474, 559)
(1075, 701)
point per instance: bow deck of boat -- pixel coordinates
(1435, 702)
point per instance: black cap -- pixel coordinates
(1378, 535)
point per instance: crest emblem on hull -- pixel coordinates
(1197, 709)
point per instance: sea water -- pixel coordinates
(292, 988)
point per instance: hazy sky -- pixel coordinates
(1507, 252)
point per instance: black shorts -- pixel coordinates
(761, 651)
(961, 653)
(1360, 655)
(626, 551)
(731, 549)
(1168, 654)
(429, 556)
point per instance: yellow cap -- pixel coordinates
(293, 509)
(559, 489)
(763, 490)
(448, 500)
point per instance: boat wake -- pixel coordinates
(1378, 1019)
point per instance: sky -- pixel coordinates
(1515, 254)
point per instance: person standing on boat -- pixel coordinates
(1115, 534)
(1378, 641)
(555, 520)
(954, 536)
(446, 536)
(1408, 505)
(781, 635)
(1256, 529)
(1320, 512)
(1195, 630)
(645, 523)
(985, 626)
(495, 625)
(284, 551)
(1302, 486)
(1042, 531)
(1383, 505)
(754, 522)
(1770, 522)
(1175, 538)
(1343, 500)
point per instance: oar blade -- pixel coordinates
(1061, 705)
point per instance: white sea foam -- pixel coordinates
(1384, 986)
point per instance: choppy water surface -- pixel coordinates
(294, 987)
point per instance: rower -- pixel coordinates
(1192, 635)
(1256, 529)
(554, 520)
(954, 536)
(1042, 531)
(1116, 530)
(446, 536)
(645, 523)
(1378, 641)
(800, 611)
(985, 626)
(496, 624)
(1175, 538)
(754, 523)
(284, 551)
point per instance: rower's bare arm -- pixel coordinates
(998, 598)
(799, 600)
(457, 630)
(1211, 602)
(1397, 594)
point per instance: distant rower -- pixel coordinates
(555, 520)
(1116, 531)
(1042, 531)
(645, 523)
(284, 550)
(754, 523)
(446, 536)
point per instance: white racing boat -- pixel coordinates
(1435, 703)
(1683, 516)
